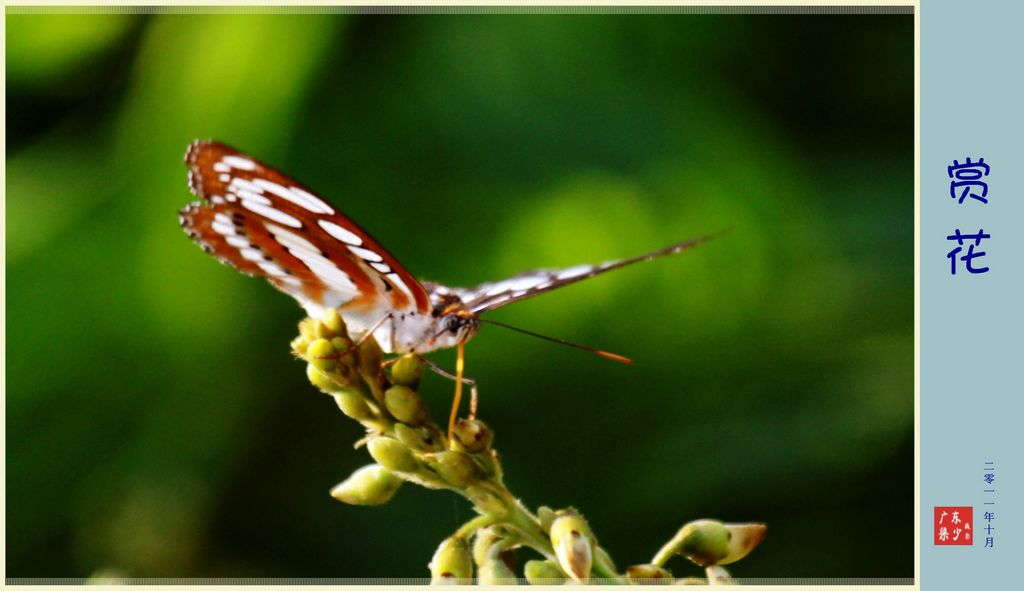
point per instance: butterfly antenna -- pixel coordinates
(605, 354)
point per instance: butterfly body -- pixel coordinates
(447, 325)
(265, 224)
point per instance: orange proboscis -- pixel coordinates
(459, 367)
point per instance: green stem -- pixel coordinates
(666, 552)
(604, 570)
(528, 528)
(474, 524)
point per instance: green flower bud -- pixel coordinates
(321, 331)
(307, 328)
(567, 521)
(320, 354)
(546, 516)
(299, 345)
(369, 485)
(494, 571)
(489, 460)
(601, 557)
(485, 538)
(743, 537)
(474, 435)
(354, 405)
(370, 357)
(451, 564)
(640, 574)
(341, 344)
(418, 438)
(405, 405)
(543, 572)
(323, 380)
(704, 542)
(392, 454)
(332, 322)
(456, 468)
(368, 362)
(407, 370)
(574, 544)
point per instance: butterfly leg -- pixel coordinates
(381, 374)
(473, 394)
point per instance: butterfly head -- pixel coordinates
(455, 323)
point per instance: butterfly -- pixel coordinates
(265, 224)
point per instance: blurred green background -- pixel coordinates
(157, 424)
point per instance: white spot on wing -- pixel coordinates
(291, 240)
(326, 271)
(238, 241)
(252, 196)
(271, 186)
(381, 267)
(575, 271)
(296, 196)
(238, 162)
(222, 218)
(517, 284)
(240, 183)
(270, 213)
(221, 167)
(365, 254)
(223, 229)
(272, 269)
(340, 233)
(401, 284)
(251, 254)
(324, 207)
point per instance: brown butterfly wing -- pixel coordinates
(266, 224)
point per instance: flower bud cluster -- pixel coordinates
(403, 439)
(417, 454)
(333, 364)
(407, 445)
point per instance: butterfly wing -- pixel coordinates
(265, 224)
(490, 296)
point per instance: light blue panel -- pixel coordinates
(972, 59)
